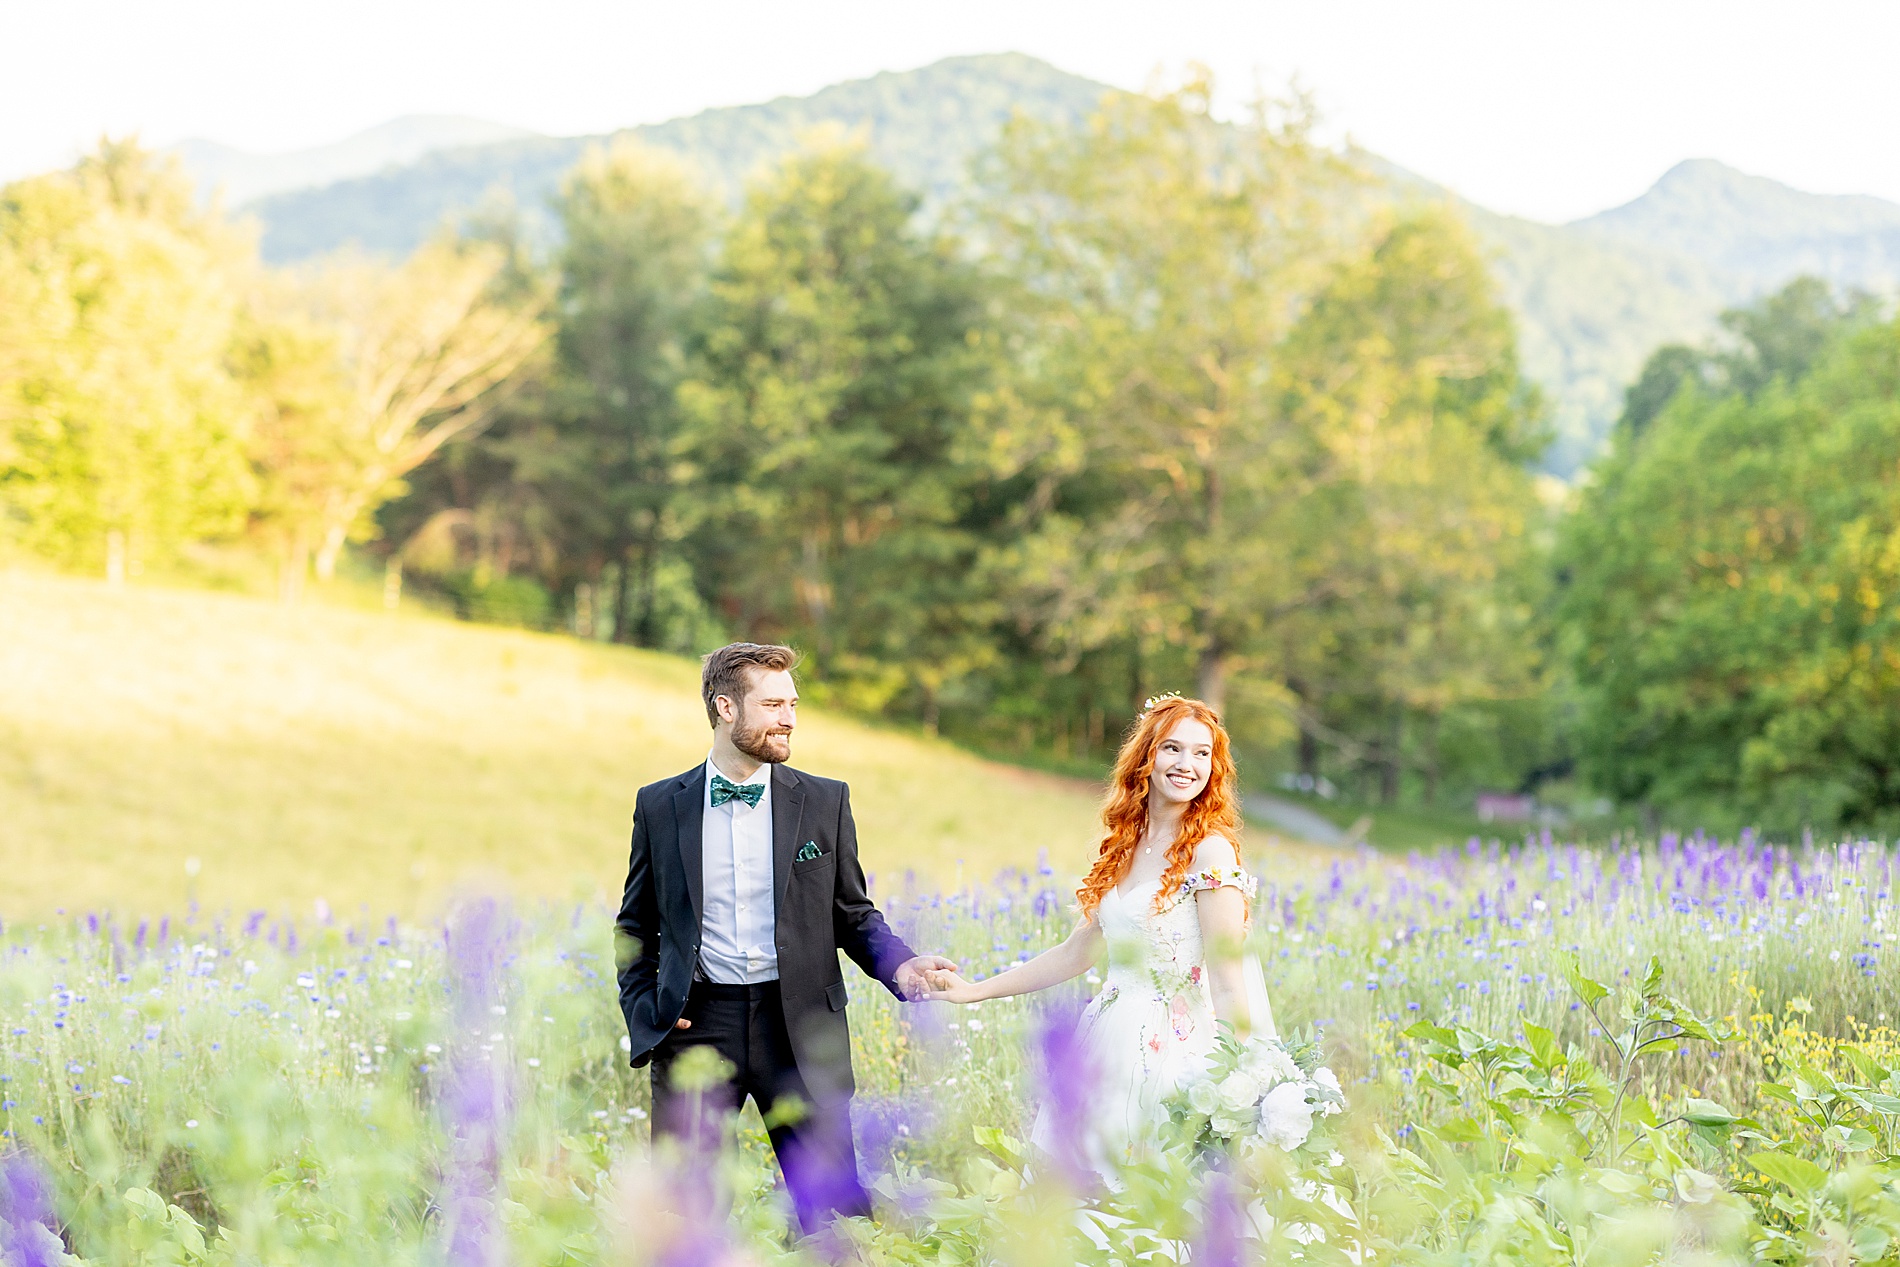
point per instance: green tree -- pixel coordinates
(298, 440)
(1779, 337)
(1405, 369)
(828, 417)
(1784, 335)
(1732, 598)
(429, 351)
(633, 273)
(122, 432)
(1162, 259)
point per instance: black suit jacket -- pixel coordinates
(821, 905)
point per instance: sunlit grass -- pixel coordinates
(365, 759)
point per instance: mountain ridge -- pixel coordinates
(242, 176)
(1593, 297)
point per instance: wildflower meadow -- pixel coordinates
(1675, 1051)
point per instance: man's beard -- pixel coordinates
(763, 744)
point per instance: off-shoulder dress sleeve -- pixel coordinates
(1220, 878)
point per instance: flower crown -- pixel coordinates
(1153, 701)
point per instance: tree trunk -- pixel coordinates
(1309, 742)
(1211, 681)
(646, 632)
(1431, 759)
(329, 552)
(392, 583)
(293, 568)
(623, 597)
(812, 587)
(1389, 761)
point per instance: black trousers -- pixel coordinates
(812, 1136)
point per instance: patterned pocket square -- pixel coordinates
(806, 852)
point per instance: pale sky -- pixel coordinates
(1543, 108)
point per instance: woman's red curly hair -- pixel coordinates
(1125, 812)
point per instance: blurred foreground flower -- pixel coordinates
(1069, 1079)
(476, 1095)
(673, 1203)
(27, 1236)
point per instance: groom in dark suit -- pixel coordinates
(742, 888)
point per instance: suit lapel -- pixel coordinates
(689, 812)
(788, 807)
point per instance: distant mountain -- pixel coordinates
(243, 176)
(1758, 230)
(1593, 298)
(924, 125)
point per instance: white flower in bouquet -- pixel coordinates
(1269, 1062)
(1239, 1091)
(1203, 1096)
(1335, 1094)
(1286, 1119)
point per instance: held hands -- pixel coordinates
(913, 975)
(945, 986)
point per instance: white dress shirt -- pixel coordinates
(738, 922)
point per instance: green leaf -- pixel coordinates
(1460, 1130)
(1880, 1102)
(1543, 1045)
(1850, 1139)
(1583, 987)
(1652, 978)
(1866, 1066)
(1640, 1112)
(1426, 1032)
(994, 1140)
(1692, 1026)
(1798, 1173)
(1707, 1113)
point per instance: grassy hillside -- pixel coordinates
(364, 758)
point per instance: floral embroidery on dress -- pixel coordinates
(1219, 878)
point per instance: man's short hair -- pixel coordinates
(725, 671)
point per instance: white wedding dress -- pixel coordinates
(1151, 1027)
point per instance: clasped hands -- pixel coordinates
(933, 979)
(918, 979)
(943, 985)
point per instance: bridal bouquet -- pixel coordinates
(1263, 1091)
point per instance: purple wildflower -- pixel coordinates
(1223, 1221)
(476, 1097)
(1069, 1078)
(27, 1228)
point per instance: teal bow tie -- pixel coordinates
(724, 789)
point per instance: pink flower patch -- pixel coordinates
(1183, 1022)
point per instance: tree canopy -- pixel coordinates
(1159, 406)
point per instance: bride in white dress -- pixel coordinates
(1168, 902)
